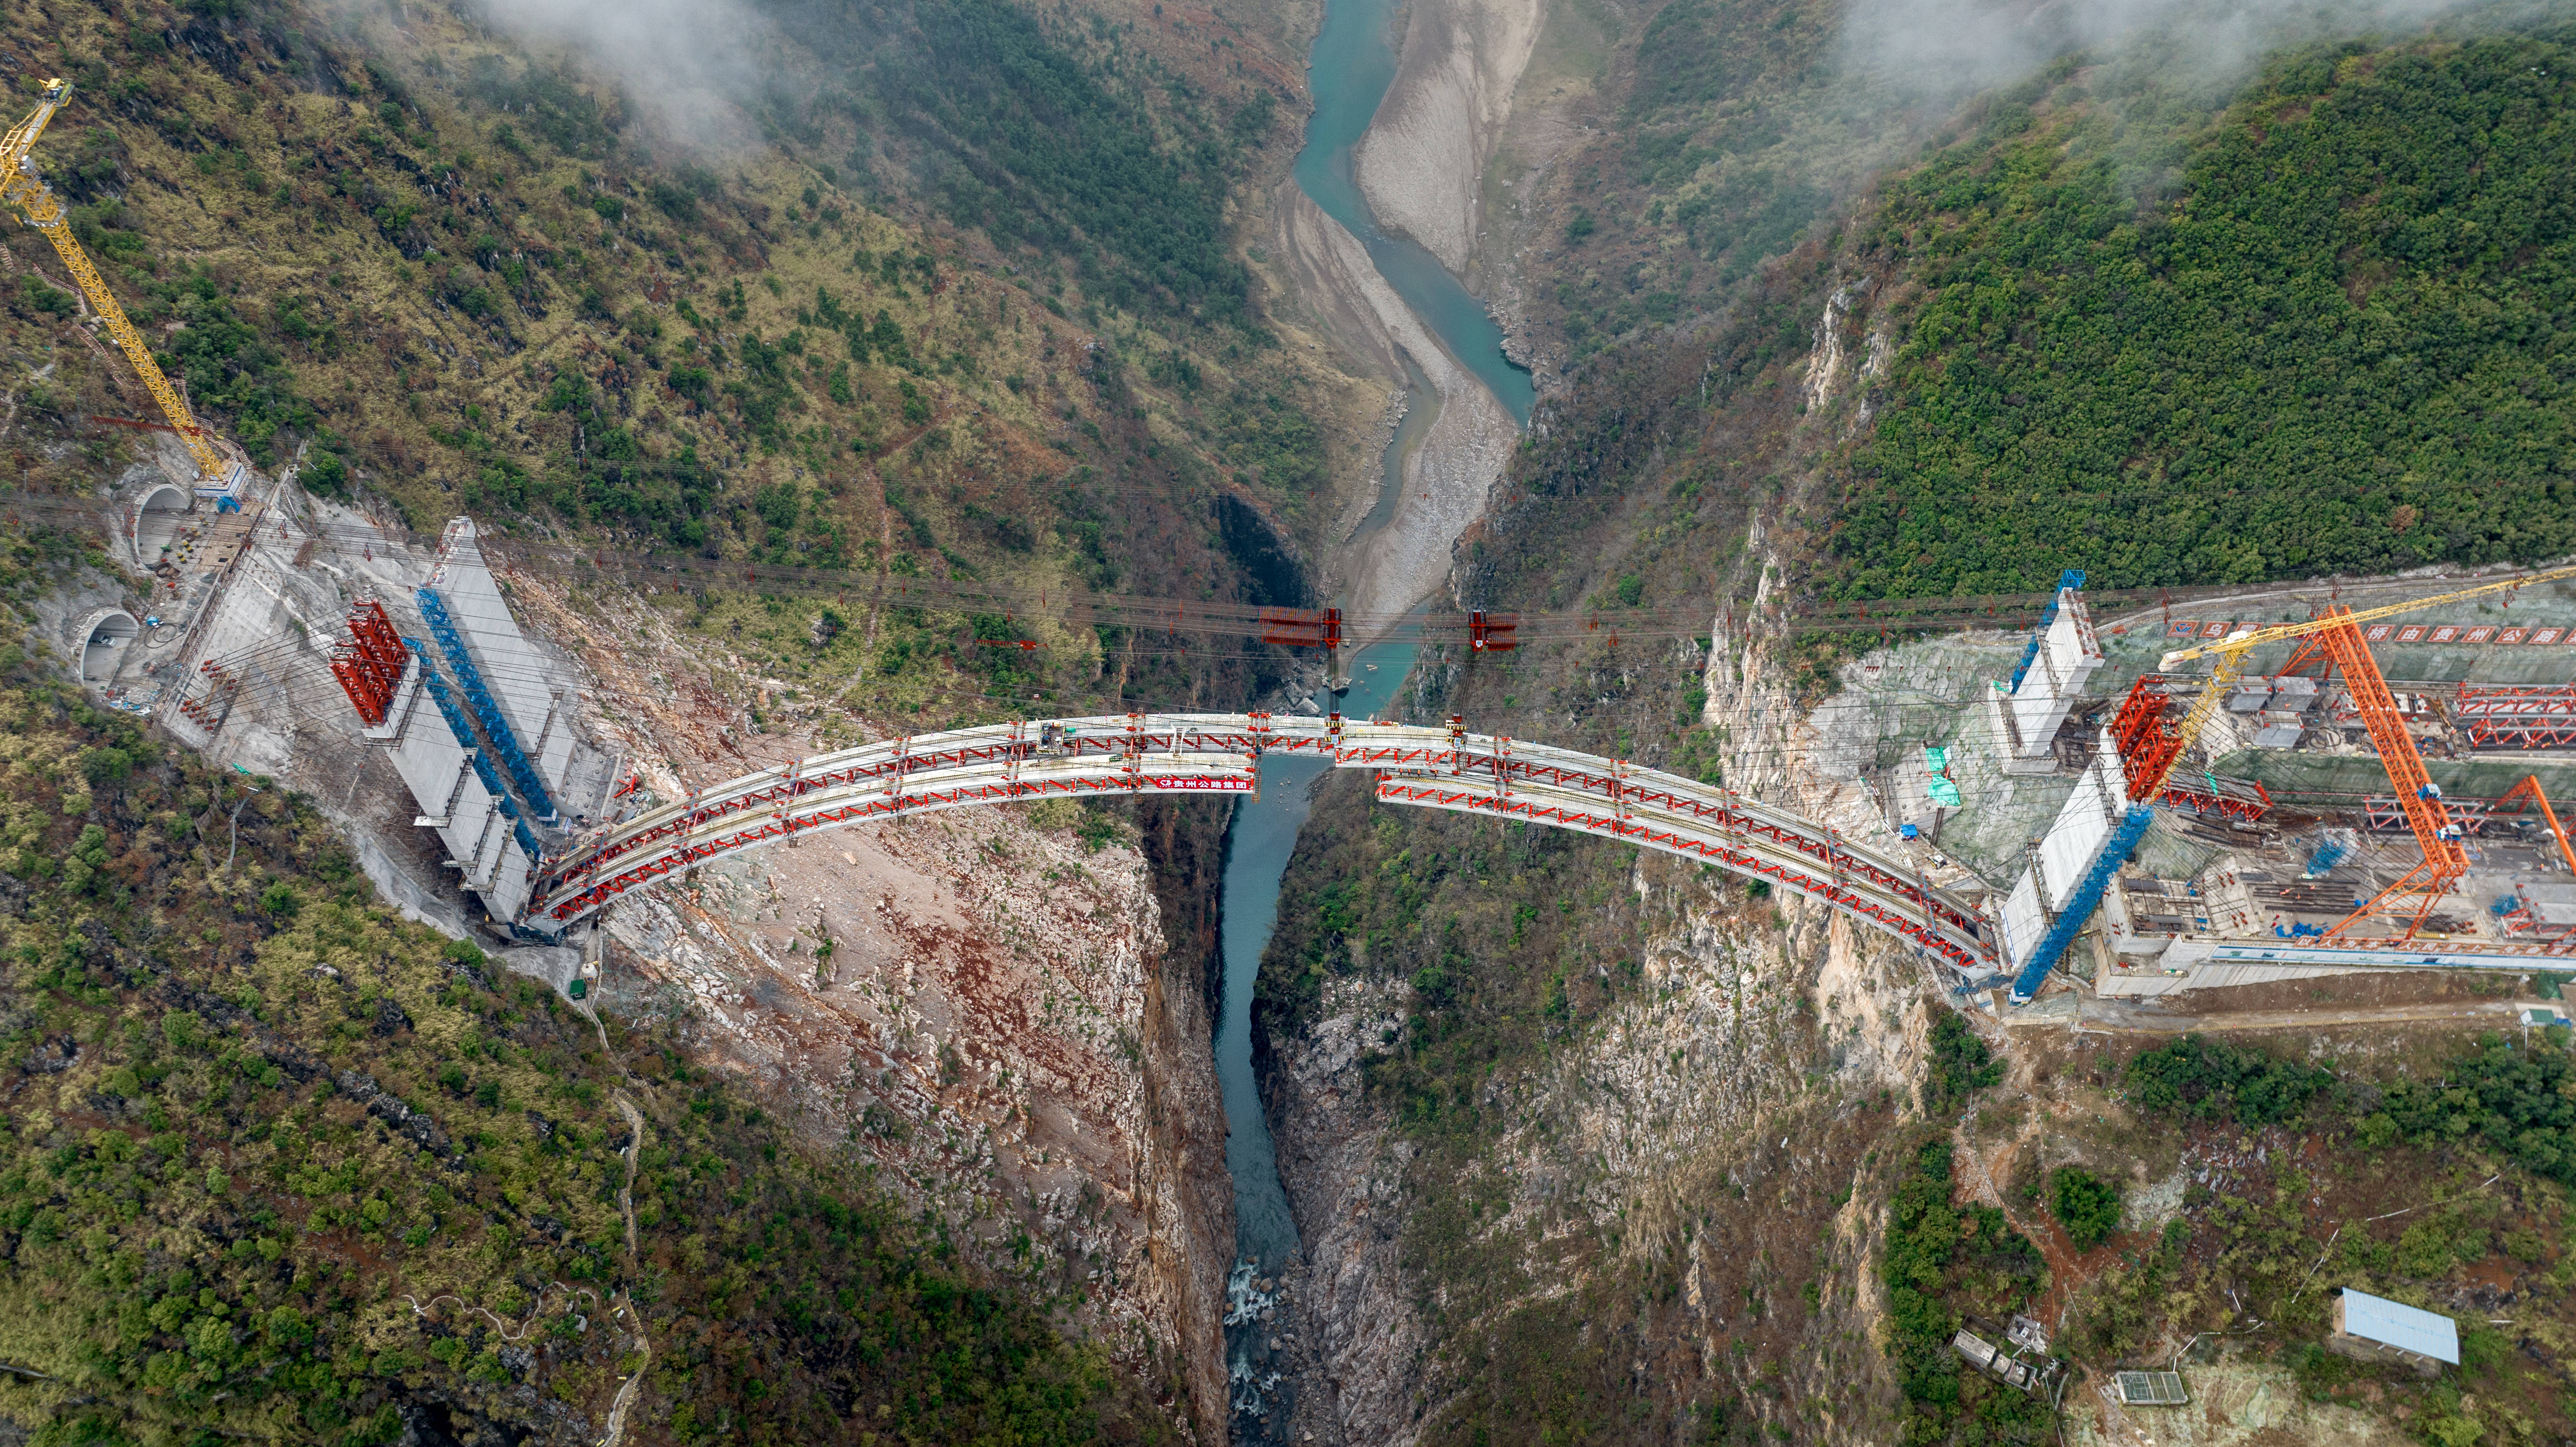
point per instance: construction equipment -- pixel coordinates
(2146, 739)
(1310, 628)
(371, 663)
(2337, 633)
(2412, 897)
(2516, 716)
(217, 475)
(2231, 651)
(2530, 789)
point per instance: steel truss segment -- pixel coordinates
(1632, 789)
(1869, 908)
(1894, 903)
(1104, 735)
(1129, 753)
(1183, 774)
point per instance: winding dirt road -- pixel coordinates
(626, 1304)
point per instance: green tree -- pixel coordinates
(2087, 1206)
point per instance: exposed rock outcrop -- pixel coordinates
(997, 1022)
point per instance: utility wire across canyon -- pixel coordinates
(1609, 622)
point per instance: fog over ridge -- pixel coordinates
(1957, 46)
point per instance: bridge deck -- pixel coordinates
(1435, 767)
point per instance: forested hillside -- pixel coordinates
(278, 1166)
(2167, 315)
(1735, 137)
(969, 310)
(2320, 331)
(2123, 318)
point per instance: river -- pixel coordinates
(1349, 70)
(1258, 843)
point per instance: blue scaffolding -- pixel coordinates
(2081, 903)
(460, 726)
(2069, 578)
(487, 711)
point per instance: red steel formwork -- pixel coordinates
(2146, 740)
(370, 664)
(2384, 814)
(210, 709)
(2244, 799)
(2529, 717)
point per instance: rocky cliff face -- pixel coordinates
(982, 1011)
(1349, 1318)
(1668, 1208)
(998, 1032)
(1712, 1135)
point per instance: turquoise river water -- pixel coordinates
(1349, 70)
(1352, 64)
(1258, 843)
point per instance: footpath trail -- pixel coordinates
(622, 1305)
(625, 1302)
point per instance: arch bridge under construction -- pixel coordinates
(1438, 767)
(486, 745)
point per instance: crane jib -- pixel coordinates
(33, 199)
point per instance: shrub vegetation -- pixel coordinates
(2314, 333)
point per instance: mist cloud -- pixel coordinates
(1949, 47)
(689, 66)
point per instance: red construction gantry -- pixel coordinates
(1308, 628)
(2244, 799)
(2147, 743)
(2517, 717)
(2530, 789)
(370, 664)
(2411, 898)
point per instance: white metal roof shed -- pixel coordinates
(2407, 1328)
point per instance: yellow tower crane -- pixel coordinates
(217, 475)
(2411, 899)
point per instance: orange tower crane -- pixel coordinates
(217, 475)
(2412, 897)
(2337, 631)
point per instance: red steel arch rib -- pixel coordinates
(1431, 767)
